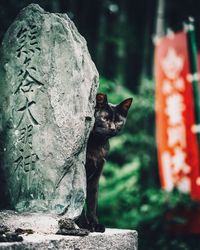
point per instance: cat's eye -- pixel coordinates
(119, 122)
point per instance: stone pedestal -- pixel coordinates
(112, 239)
(44, 237)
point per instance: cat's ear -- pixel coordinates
(101, 100)
(124, 106)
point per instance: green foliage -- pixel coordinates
(130, 194)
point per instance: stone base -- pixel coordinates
(44, 237)
(112, 239)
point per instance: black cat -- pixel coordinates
(109, 120)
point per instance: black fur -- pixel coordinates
(109, 121)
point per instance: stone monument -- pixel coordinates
(48, 86)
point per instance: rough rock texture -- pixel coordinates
(48, 85)
(112, 239)
(38, 222)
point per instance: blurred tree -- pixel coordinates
(118, 32)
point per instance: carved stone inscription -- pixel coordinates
(25, 89)
(48, 90)
(28, 45)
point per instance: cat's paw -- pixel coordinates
(94, 227)
(100, 228)
(90, 227)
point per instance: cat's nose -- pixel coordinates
(112, 126)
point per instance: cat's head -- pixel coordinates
(110, 118)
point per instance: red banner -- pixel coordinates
(178, 153)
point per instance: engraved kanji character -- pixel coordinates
(28, 81)
(25, 163)
(29, 162)
(25, 110)
(26, 135)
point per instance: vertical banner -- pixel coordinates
(178, 152)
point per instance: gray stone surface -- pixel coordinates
(112, 239)
(45, 223)
(48, 84)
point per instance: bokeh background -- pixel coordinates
(120, 35)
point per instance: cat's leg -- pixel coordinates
(69, 227)
(91, 201)
(82, 221)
